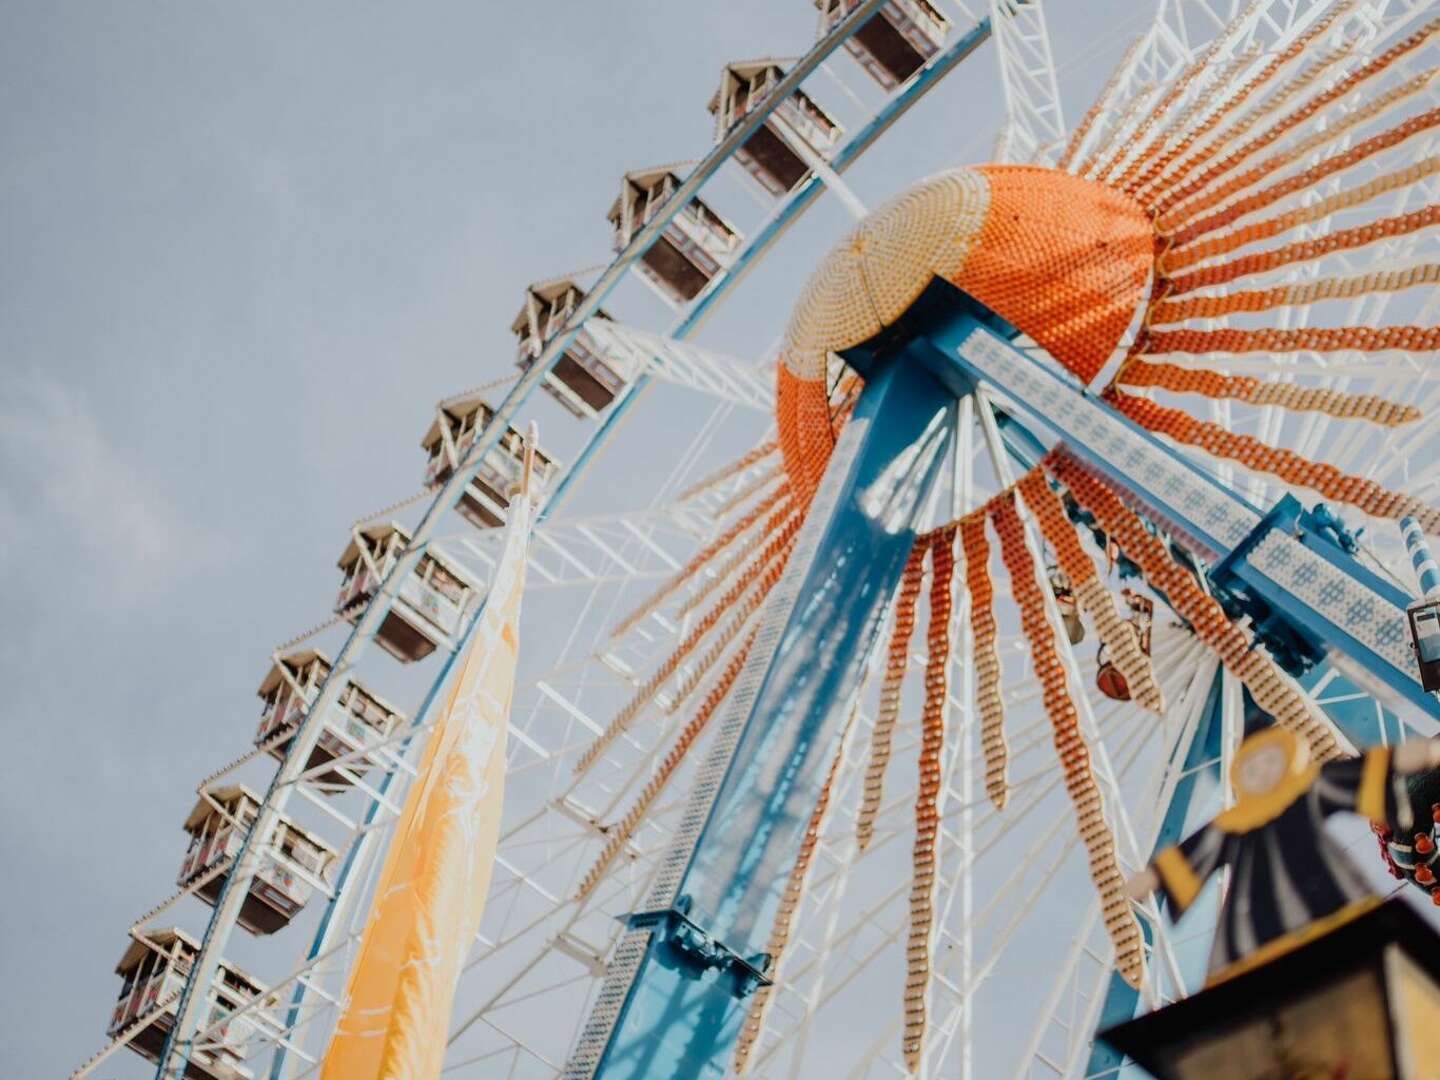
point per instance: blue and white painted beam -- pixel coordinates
(1426, 572)
(1332, 598)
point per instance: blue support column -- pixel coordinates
(679, 981)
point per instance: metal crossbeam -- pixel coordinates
(663, 357)
(1033, 131)
(639, 545)
(1364, 617)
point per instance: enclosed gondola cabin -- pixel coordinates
(432, 599)
(154, 968)
(585, 379)
(1108, 678)
(774, 153)
(695, 245)
(895, 42)
(358, 718)
(295, 858)
(458, 422)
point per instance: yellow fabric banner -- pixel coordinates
(431, 893)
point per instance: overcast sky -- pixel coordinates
(243, 250)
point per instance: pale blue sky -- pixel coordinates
(243, 250)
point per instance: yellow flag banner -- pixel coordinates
(431, 892)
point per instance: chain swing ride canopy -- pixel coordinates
(1159, 325)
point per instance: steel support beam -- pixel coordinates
(1345, 608)
(675, 993)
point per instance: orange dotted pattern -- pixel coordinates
(897, 661)
(1139, 146)
(712, 549)
(619, 834)
(1276, 99)
(1103, 102)
(739, 465)
(1237, 651)
(1225, 74)
(739, 557)
(1193, 133)
(802, 418)
(1064, 259)
(988, 699)
(1056, 528)
(1215, 384)
(1179, 258)
(927, 798)
(737, 617)
(1336, 92)
(1117, 633)
(1303, 180)
(1070, 745)
(1123, 116)
(1186, 380)
(747, 491)
(1334, 288)
(765, 570)
(1289, 466)
(1306, 250)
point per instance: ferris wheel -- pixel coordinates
(1144, 435)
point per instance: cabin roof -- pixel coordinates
(297, 659)
(378, 531)
(203, 811)
(934, 11)
(742, 69)
(166, 937)
(138, 947)
(272, 680)
(352, 552)
(646, 179)
(521, 325)
(545, 292)
(745, 69)
(710, 215)
(463, 405)
(457, 407)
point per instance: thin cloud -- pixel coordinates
(60, 471)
